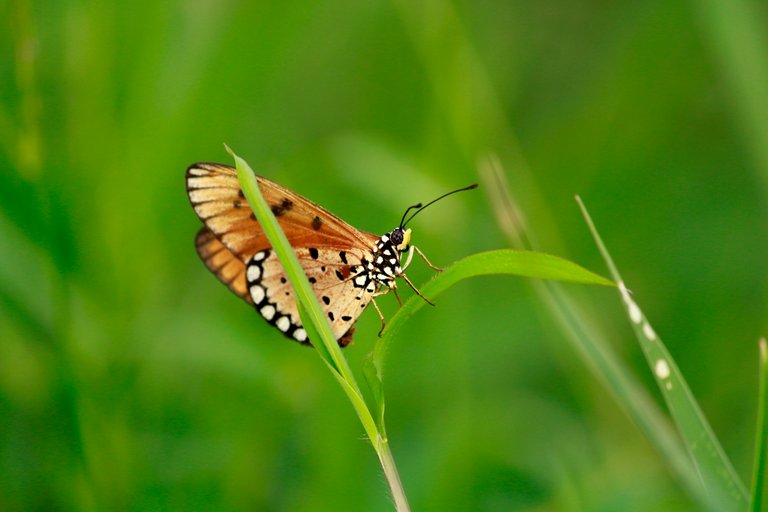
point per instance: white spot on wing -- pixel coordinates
(260, 256)
(254, 273)
(257, 294)
(360, 280)
(283, 323)
(268, 311)
(195, 183)
(300, 335)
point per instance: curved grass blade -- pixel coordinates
(506, 261)
(725, 489)
(575, 322)
(314, 321)
(761, 443)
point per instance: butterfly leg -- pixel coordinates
(408, 259)
(383, 323)
(425, 259)
(416, 290)
(397, 296)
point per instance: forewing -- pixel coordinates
(215, 194)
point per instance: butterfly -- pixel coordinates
(347, 268)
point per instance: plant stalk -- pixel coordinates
(390, 472)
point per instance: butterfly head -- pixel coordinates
(400, 238)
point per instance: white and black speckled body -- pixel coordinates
(382, 265)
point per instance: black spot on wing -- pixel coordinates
(313, 253)
(343, 256)
(317, 222)
(282, 208)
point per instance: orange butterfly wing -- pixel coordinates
(223, 263)
(215, 194)
(328, 249)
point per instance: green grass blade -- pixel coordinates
(351, 390)
(374, 380)
(719, 478)
(311, 313)
(761, 444)
(575, 322)
(291, 265)
(507, 261)
(317, 327)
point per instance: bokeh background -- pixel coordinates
(130, 379)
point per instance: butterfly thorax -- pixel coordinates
(382, 265)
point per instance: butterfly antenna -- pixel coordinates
(420, 208)
(418, 205)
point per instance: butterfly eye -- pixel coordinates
(396, 236)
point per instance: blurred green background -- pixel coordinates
(130, 379)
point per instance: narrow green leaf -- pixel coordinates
(761, 443)
(290, 263)
(506, 261)
(317, 326)
(577, 325)
(357, 400)
(375, 383)
(726, 490)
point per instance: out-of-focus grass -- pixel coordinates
(131, 379)
(720, 483)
